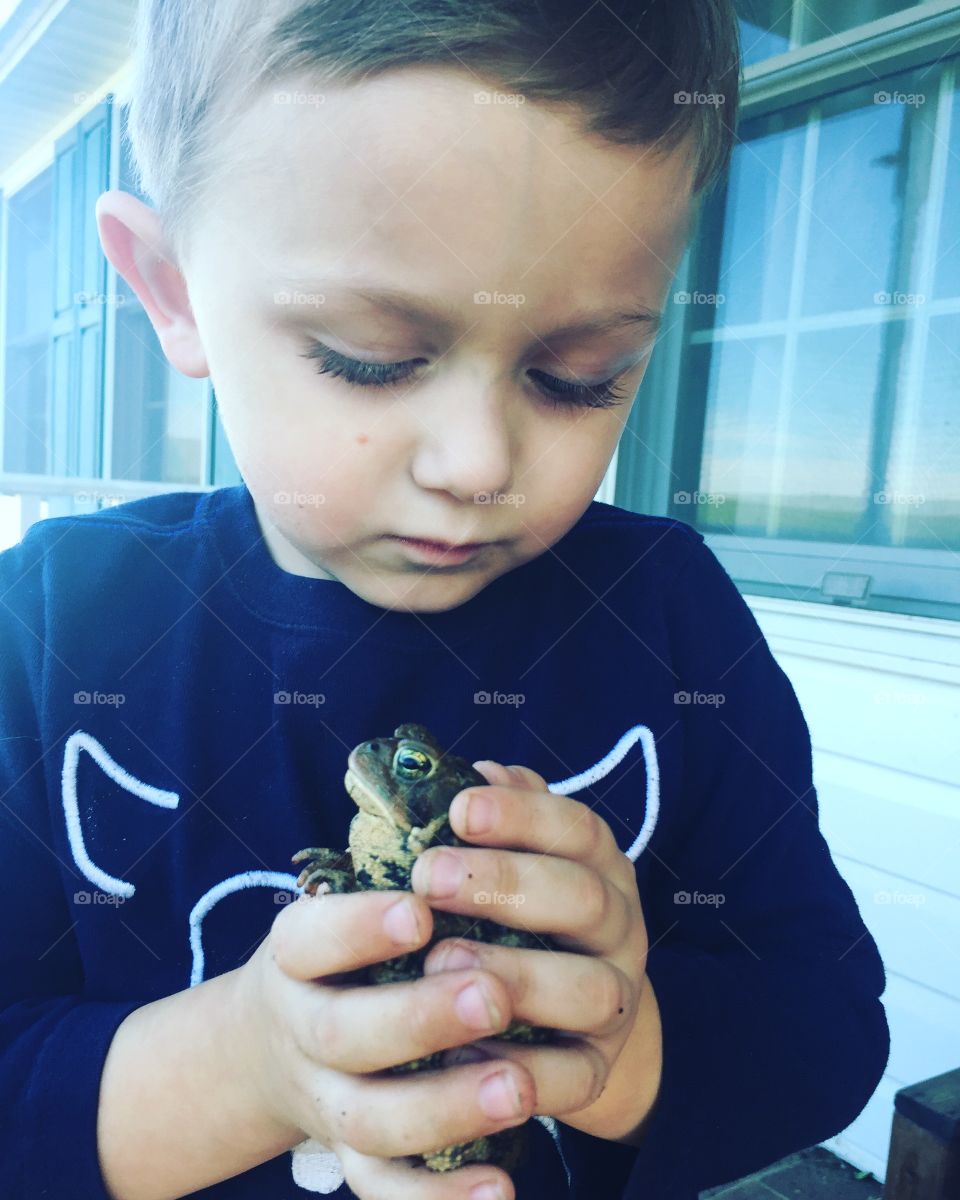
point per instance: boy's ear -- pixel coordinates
(132, 239)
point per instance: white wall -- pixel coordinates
(881, 694)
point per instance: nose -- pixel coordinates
(466, 440)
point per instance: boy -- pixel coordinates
(422, 250)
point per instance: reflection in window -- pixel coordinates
(29, 312)
(823, 18)
(832, 364)
(764, 28)
(159, 413)
(771, 27)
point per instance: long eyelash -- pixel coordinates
(362, 374)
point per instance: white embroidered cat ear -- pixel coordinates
(638, 733)
(316, 1168)
(71, 805)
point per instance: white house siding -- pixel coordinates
(880, 693)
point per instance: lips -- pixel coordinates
(435, 545)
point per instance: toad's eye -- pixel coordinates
(411, 764)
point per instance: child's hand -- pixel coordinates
(310, 1044)
(564, 876)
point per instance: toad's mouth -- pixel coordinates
(370, 800)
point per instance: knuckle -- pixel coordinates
(419, 1024)
(608, 1000)
(356, 1122)
(505, 878)
(595, 832)
(593, 898)
(325, 1035)
(594, 1076)
(280, 937)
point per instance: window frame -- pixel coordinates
(659, 458)
(66, 492)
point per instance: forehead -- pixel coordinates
(432, 173)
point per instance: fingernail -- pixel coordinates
(487, 1191)
(494, 771)
(499, 1097)
(479, 814)
(458, 957)
(476, 1009)
(400, 922)
(445, 873)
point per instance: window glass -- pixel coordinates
(823, 18)
(755, 232)
(831, 366)
(771, 27)
(159, 413)
(947, 276)
(764, 28)
(29, 310)
(921, 505)
(740, 436)
(856, 206)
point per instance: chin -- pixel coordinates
(430, 595)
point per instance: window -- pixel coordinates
(26, 425)
(815, 354)
(771, 27)
(158, 413)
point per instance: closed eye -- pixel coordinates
(559, 392)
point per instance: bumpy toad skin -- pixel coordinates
(403, 786)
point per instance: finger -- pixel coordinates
(575, 904)
(512, 776)
(323, 935)
(568, 1077)
(528, 819)
(554, 989)
(374, 1178)
(363, 1029)
(397, 1115)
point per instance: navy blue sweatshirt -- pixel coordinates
(175, 714)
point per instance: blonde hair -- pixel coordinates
(627, 67)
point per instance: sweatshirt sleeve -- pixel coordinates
(767, 980)
(53, 1042)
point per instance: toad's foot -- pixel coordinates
(325, 866)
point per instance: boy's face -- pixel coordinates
(410, 183)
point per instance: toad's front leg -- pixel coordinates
(332, 868)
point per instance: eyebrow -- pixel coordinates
(423, 311)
